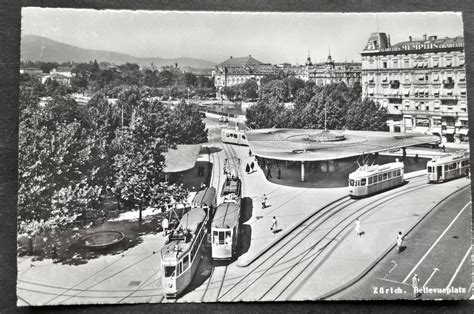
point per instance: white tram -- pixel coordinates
(448, 167)
(368, 180)
(225, 231)
(234, 137)
(180, 257)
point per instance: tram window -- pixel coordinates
(351, 182)
(380, 177)
(389, 175)
(243, 137)
(169, 271)
(363, 181)
(180, 269)
(186, 262)
(385, 176)
(446, 168)
(370, 180)
(228, 238)
(221, 237)
(375, 179)
(235, 135)
(215, 237)
(398, 173)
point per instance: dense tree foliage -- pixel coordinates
(71, 156)
(333, 106)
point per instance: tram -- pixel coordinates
(234, 137)
(368, 180)
(448, 167)
(206, 199)
(181, 255)
(225, 231)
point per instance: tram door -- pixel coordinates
(439, 172)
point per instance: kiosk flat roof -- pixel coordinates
(316, 145)
(182, 158)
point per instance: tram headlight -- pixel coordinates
(170, 285)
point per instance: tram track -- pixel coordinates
(313, 223)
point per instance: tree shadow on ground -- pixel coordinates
(64, 248)
(213, 149)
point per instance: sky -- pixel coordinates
(215, 36)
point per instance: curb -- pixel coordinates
(250, 260)
(384, 253)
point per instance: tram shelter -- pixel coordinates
(324, 152)
(187, 164)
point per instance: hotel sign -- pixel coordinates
(423, 46)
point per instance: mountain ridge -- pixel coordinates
(38, 48)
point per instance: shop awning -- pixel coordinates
(463, 131)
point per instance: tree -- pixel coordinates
(274, 92)
(366, 115)
(189, 79)
(187, 124)
(139, 165)
(293, 84)
(267, 115)
(249, 89)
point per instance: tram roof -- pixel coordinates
(375, 169)
(449, 158)
(205, 197)
(182, 158)
(226, 216)
(310, 144)
(191, 221)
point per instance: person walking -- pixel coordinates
(357, 227)
(269, 173)
(264, 201)
(416, 158)
(274, 227)
(415, 283)
(399, 241)
(165, 225)
(252, 165)
(247, 168)
(279, 173)
(250, 152)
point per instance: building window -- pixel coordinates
(395, 64)
(395, 107)
(449, 62)
(406, 63)
(435, 63)
(385, 64)
(427, 108)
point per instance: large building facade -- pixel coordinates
(235, 71)
(329, 72)
(421, 82)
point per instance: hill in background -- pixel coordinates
(37, 48)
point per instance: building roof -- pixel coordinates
(226, 216)
(182, 158)
(63, 69)
(315, 145)
(240, 62)
(412, 45)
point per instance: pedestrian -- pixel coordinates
(250, 152)
(274, 227)
(252, 165)
(264, 201)
(279, 173)
(357, 227)
(443, 148)
(467, 173)
(269, 173)
(415, 283)
(55, 254)
(416, 158)
(165, 226)
(399, 241)
(247, 168)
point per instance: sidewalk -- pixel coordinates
(280, 203)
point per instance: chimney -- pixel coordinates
(409, 38)
(231, 57)
(176, 65)
(250, 56)
(424, 37)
